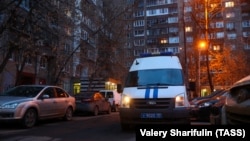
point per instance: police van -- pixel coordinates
(154, 92)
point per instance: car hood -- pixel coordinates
(242, 82)
(8, 99)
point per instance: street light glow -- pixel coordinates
(202, 45)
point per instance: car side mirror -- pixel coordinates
(45, 96)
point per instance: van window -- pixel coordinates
(173, 77)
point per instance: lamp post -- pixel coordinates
(202, 45)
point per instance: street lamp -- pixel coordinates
(202, 46)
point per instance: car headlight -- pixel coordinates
(205, 104)
(125, 101)
(179, 100)
(9, 106)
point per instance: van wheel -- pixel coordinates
(29, 119)
(96, 111)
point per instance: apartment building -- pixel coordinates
(222, 25)
(36, 40)
(155, 27)
(159, 25)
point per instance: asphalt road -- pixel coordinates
(83, 127)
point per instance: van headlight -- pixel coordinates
(179, 100)
(125, 101)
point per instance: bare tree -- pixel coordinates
(214, 65)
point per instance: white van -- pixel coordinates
(114, 98)
(155, 92)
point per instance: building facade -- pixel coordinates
(35, 42)
(180, 25)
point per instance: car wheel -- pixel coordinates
(96, 111)
(69, 114)
(29, 119)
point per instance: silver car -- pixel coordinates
(30, 103)
(236, 110)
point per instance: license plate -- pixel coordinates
(151, 115)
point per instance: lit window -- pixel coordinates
(229, 4)
(163, 41)
(188, 29)
(216, 47)
(230, 15)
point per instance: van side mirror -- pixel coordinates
(119, 88)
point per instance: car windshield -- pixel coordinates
(22, 91)
(155, 77)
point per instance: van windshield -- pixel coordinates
(155, 77)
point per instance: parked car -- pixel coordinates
(114, 98)
(92, 102)
(237, 105)
(200, 110)
(30, 103)
(215, 111)
(194, 102)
